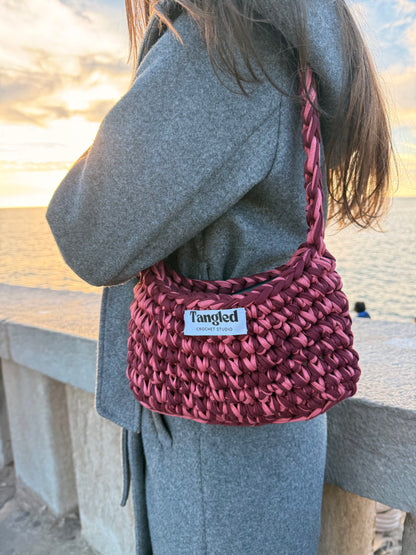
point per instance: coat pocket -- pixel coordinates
(163, 433)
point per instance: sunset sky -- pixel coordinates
(64, 64)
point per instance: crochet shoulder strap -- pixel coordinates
(311, 135)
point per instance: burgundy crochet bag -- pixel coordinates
(282, 350)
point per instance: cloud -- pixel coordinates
(42, 72)
(390, 30)
(63, 64)
(398, 23)
(96, 110)
(80, 9)
(406, 165)
(386, 26)
(22, 85)
(35, 96)
(21, 90)
(7, 165)
(42, 114)
(406, 6)
(402, 85)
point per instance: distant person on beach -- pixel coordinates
(188, 170)
(360, 310)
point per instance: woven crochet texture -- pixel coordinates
(296, 360)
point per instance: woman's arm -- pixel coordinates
(176, 152)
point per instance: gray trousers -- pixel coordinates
(201, 489)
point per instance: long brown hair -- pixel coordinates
(358, 147)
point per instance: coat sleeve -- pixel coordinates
(177, 151)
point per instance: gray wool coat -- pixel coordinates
(184, 169)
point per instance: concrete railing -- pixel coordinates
(69, 456)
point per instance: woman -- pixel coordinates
(201, 164)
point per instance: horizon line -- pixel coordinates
(46, 205)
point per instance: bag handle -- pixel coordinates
(311, 136)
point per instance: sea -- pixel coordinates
(378, 268)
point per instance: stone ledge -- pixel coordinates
(67, 324)
(68, 312)
(371, 437)
(66, 358)
(388, 362)
(52, 332)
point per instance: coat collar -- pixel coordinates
(154, 28)
(323, 36)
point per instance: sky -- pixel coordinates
(63, 65)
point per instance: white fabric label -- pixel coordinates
(231, 321)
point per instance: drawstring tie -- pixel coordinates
(126, 467)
